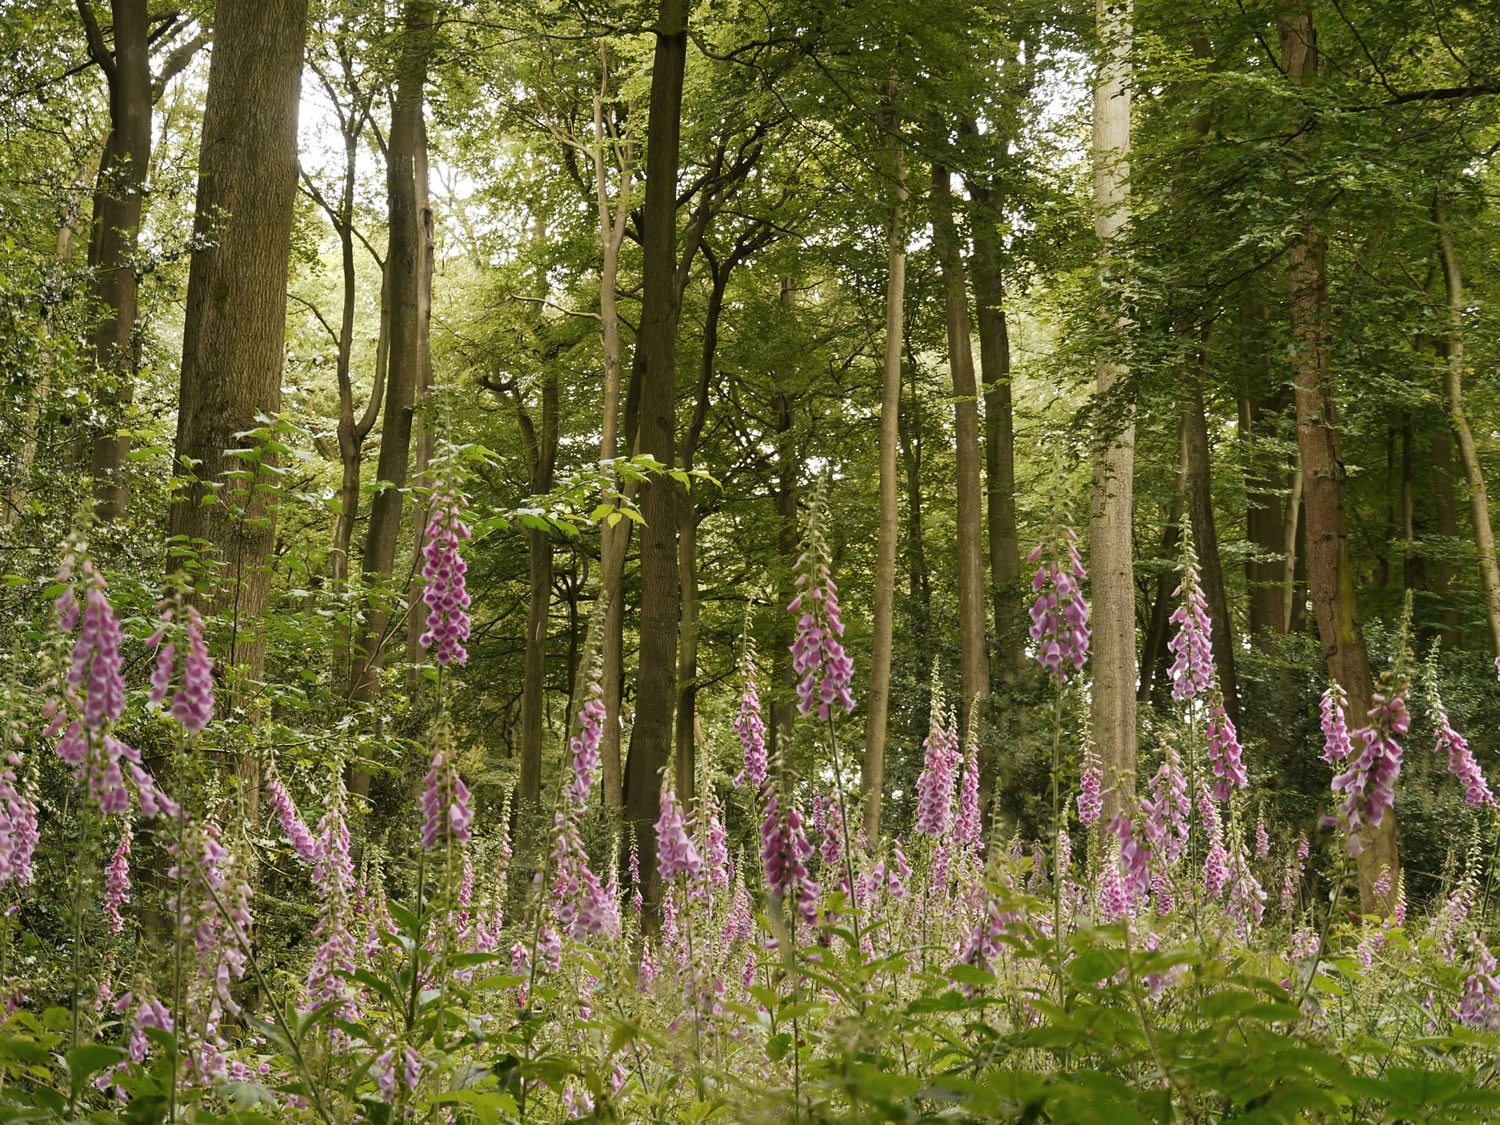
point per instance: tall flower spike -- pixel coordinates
(784, 851)
(1224, 748)
(117, 883)
(1335, 732)
(675, 852)
(1368, 786)
(1090, 787)
(445, 593)
(1461, 763)
(1168, 809)
(18, 823)
(1060, 614)
(939, 770)
(967, 828)
(824, 671)
(749, 724)
(445, 798)
(1191, 647)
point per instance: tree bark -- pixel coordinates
(1445, 517)
(974, 659)
(1154, 647)
(118, 196)
(235, 325)
(542, 461)
(1260, 410)
(784, 493)
(1458, 419)
(404, 360)
(651, 734)
(1112, 500)
(877, 715)
(613, 539)
(1329, 572)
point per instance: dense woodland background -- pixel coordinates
(271, 271)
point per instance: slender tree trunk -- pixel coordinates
(919, 584)
(424, 437)
(118, 197)
(1445, 517)
(235, 326)
(404, 360)
(651, 734)
(1112, 501)
(613, 538)
(1295, 581)
(1154, 648)
(1200, 505)
(1468, 452)
(783, 421)
(974, 657)
(1260, 410)
(687, 541)
(872, 767)
(1411, 559)
(1329, 571)
(999, 426)
(539, 598)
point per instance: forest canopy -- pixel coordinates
(863, 561)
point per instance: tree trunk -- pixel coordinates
(1445, 517)
(999, 426)
(919, 581)
(1329, 572)
(974, 659)
(613, 539)
(1154, 647)
(118, 196)
(872, 766)
(1112, 500)
(687, 540)
(404, 360)
(1260, 410)
(651, 734)
(1200, 505)
(424, 437)
(1468, 453)
(235, 325)
(783, 419)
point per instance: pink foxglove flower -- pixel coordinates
(823, 670)
(1090, 787)
(292, 824)
(1335, 732)
(1479, 1005)
(675, 852)
(1246, 901)
(1368, 785)
(1224, 749)
(445, 797)
(1060, 614)
(1135, 858)
(940, 763)
(193, 702)
(1168, 808)
(967, 828)
(784, 851)
(1191, 647)
(117, 883)
(584, 747)
(446, 594)
(1461, 763)
(19, 831)
(750, 726)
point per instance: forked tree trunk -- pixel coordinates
(651, 734)
(974, 660)
(877, 715)
(235, 325)
(1112, 500)
(1329, 571)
